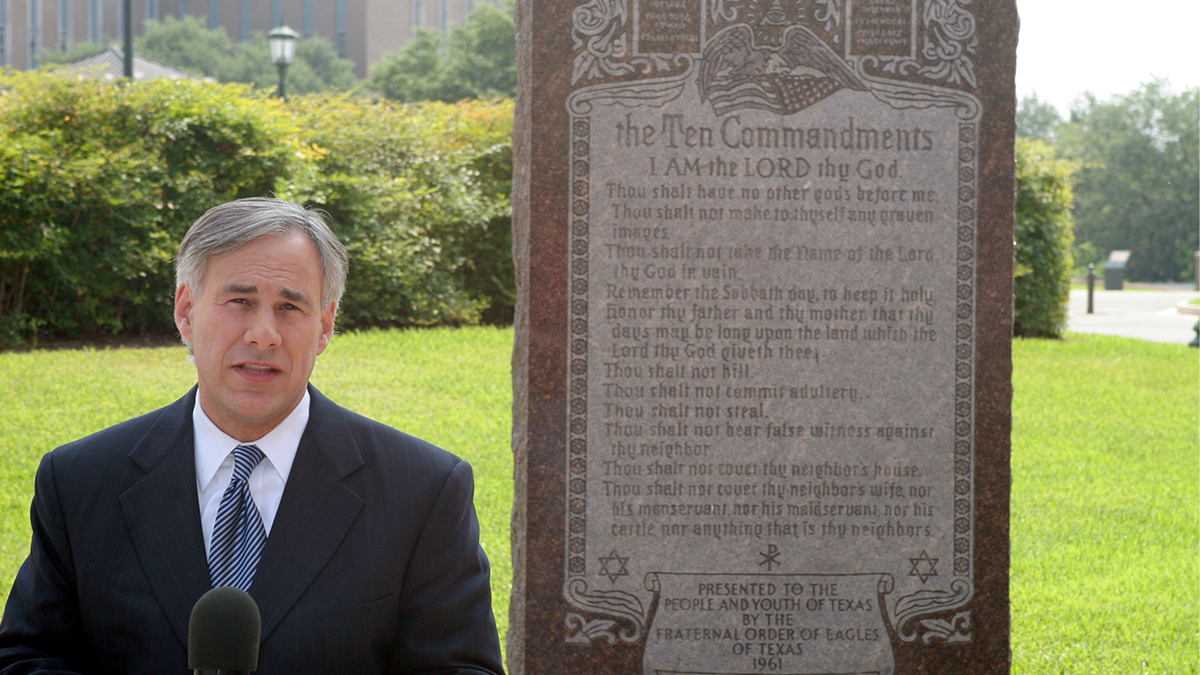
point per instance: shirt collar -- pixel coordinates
(279, 445)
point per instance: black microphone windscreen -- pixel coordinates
(224, 630)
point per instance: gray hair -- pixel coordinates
(224, 229)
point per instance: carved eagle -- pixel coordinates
(736, 73)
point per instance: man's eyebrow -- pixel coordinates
(236, 287)
(289, 294)
(293, 295)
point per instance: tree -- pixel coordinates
(319, 54)
(317, 67)
(481, 58)
(1038, 119)
(412, 73)
(1139, 181)
(480, 61)
(185, 44)
(189, 45)
(79, 50)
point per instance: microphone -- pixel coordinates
(223, 633)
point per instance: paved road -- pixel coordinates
(1144, 314)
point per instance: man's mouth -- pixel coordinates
(257, 370)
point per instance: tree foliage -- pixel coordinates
(1038, 119)
(479, 61)
(186, 43)
(411, 74)
(1139, 181)
(189, 45)
(1043, 235)
(317, 68)
(75, 52)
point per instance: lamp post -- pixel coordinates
(282, 41)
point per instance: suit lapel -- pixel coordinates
(315, 513)
(163, 523)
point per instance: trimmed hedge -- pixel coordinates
(1044, 231)
(420, 198)
(99, 181)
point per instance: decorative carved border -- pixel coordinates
(601, 31)
(578, 358)
(602, 34)
(625, 606)
(949, 44)
(911, 608)
(964, 367)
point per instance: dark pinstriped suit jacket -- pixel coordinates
(373, 564)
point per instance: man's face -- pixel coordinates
(256, 331)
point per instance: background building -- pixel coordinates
(361, 30)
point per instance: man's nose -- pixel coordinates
(263, 331)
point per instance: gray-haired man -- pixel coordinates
(359, 543)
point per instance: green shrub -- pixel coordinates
(1043, 234)
(420, 196)
(99, 181)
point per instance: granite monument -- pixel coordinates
(762, 372)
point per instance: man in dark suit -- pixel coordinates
(359, 543)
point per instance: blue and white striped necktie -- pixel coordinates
(238, 533)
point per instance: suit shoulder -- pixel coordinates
(159, 426)
(392, 444)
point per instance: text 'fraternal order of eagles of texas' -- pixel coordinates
(762, 252)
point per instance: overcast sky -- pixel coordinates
(1105, 46)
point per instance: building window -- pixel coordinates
(3, 32)
(35, 32)
(95, 17)
(183, 9)
(341, 28)
(64, 25)
(214, 19)
(245, 20)
(310, 20)
(276, 13)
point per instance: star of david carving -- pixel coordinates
(613, 566)
(923, 566)
(770, 557)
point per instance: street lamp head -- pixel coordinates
(282, 41)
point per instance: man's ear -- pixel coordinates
(327, 318)
(184, 303)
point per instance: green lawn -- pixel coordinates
(450, 387)
(1104, 507)
(1105, 496)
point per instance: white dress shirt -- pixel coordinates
(214, 465)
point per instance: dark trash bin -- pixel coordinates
(1114, 270)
